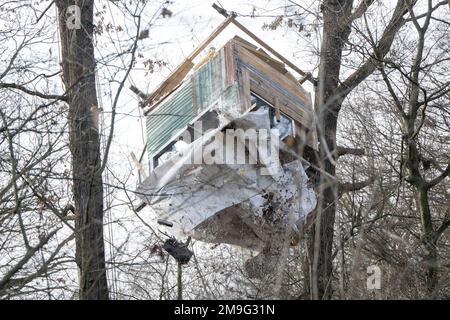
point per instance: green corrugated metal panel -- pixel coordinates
(170, 117)
(229, 98)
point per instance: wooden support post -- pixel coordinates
(179, 281)
(307, 76)
(180, 274)
(139, 166)
(263, 44)
(276, 104)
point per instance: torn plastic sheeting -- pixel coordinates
(182, 160)
(189, 194)
(181, 163)
(192, 198)
(290, 186)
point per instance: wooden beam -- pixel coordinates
(183, 69)
(262, 43)
(140, 206)
(138, 165)
(138, 92)
(279, 66)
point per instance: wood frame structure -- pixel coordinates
(228, 78)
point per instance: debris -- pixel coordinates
(157, 249)
(165, 223)
(166, 13)
(178, 250)
(225, 147)
(143, 34)
(191, 195)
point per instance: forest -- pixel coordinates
(99, 199)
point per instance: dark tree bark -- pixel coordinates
(338, 16)
(78, 65)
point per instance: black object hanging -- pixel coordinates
(178, 250)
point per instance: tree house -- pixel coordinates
(238, 86)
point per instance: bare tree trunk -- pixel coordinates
(79, 77)
(327, 106)
(330, 92)
(421, 190)
(179, 281)
(431, 267)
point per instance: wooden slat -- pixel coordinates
(229, 61)
(138, 166)
(244, 42)
(283, 80)
(268, 48)
(262, 43)
(313, 132)
(279, 66)
(303, 116)
(246, 101)
(261, 54)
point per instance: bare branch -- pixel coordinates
(440, 230)
(21, 263)
(355, 186)
(341, 151)
(361, 9)
(381, 49)
(119, 90)
(32, 92)
(439, 178)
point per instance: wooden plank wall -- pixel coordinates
(254, 74)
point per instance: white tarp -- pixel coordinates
(227, 202)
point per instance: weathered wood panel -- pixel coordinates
(286, 82)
